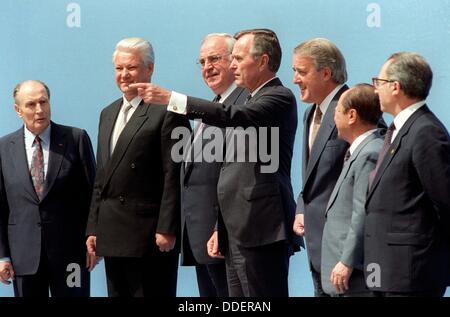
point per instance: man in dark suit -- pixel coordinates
(135, 216)
(255, 199)
(356, 117)
(407, 227)
(47, 172)
(199, 178)
(320, 72)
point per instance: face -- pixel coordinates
(216, 74)
(129, 69)
(310, 81)
(33, 106)
(341, 119)
(384, 91)
(246, 69)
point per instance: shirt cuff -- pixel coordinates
(6, 259)
(177, 103)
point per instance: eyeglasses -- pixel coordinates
(378, 82)
(213, 59)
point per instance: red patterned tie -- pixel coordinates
(37, 167)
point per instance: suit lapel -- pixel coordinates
(55, 157)
(394, 148)
(20, 162)
(326, 129)
(134, 124)
(306, 123)
(107, 127)
(231, 100)
(346, 169)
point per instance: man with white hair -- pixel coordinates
(134, 217)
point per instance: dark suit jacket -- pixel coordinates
(137, 188)
(257, 208)
(60, 218)
(199, 203)
(320, 172)
(407, 227)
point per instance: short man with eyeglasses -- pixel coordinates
(199, 204)
(256, 208)
(407, 226)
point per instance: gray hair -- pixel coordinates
(412, 72)
(143, 46)
(229, 39)
(265, 41)
(19, 85)
(324, 54)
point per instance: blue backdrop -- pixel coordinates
(68, 45)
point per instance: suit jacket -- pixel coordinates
(59, 219)
(320, 172)
(137, 188)
(407, 226)
(343, 234)
(199, 204)
(256, 208)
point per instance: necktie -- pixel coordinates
(37, 167)
(217, 98)
(120, 124)
(347, 155)
(315, 128)
(383, 151)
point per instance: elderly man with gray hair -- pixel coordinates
(134, 217)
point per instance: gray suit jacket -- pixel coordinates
(343, 237)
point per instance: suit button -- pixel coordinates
(121, 199)
(39, 224)
(186, 186)
(133, 165)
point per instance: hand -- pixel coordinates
(165, 242)
(213, 246)
(92, 261)
(152, 93)
(91, 244)
(6, 272)
(339, 277)
(299, 225)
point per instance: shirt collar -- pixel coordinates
(134, 102)
(326, 102)
(30, 136)
(259, 88)
(404, 115)
(227, 92)
(360, 139)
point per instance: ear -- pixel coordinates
(18, 110)
(396, 88)
(327, 73)
(352, 116)
(264, 61)
(150, 68)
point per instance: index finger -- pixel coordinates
(138, 85)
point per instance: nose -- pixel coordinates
(38, 107)
(296, 78)
(124, 72)
(233, 64)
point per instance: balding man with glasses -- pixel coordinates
(199, 203)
